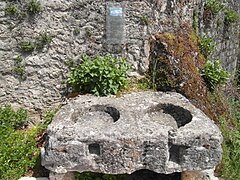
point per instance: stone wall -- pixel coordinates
(226, 36)
(77, 28)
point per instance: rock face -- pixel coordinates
(161, 132)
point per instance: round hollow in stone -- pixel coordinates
(170, 115)
(112, 111)
(96, 114)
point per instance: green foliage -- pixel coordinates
(88, 32)
(76, 31)
(99, 176)
(19, 67)
(214, 74)
(99, 75)
(34, 7)
(27, 46)
(231, 143)
(214, 6)
(18, 152)
(159, 77)
(11, 10)
(18, 148)
(144, 20)
(11, 118)
(48, 117)
(195, 20)
(43, 39)
(231, 16)
(207, 45)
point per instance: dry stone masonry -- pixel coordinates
(93, 27)
(161, 132)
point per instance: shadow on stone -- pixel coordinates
(142, 174)
(181, 116)
(112, 111)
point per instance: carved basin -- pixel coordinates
(161, 132)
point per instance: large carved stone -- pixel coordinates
(161, 132)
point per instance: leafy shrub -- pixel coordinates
(18, 152)
(18, 148)
(231, 16)
(99, 75)
(214, 74)
(27, 46)
(214, 6)
(34, 7)
(11, 118)
(207, 45)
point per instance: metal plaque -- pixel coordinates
(115, 23)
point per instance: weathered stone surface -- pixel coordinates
(162, 132)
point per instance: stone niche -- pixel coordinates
(155, 131)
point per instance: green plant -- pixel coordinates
(47, 119)
(214, 74)
(11, 10)
(144, 20)
(195, 20)
(43, 39)
(18, 148)
(76, 31)
(18, 152)
(231, 16)
(99, 75)
(214, 6)
(11, 118)
(27, 46)
(34, 7)
(207, 45)
(88, 32)
(19, 67)
(230, 168)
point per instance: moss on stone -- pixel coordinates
(176, 64)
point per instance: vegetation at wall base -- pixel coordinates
(230, 127)
(19, 150)
(101, 75)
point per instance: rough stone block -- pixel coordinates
(161, 132)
